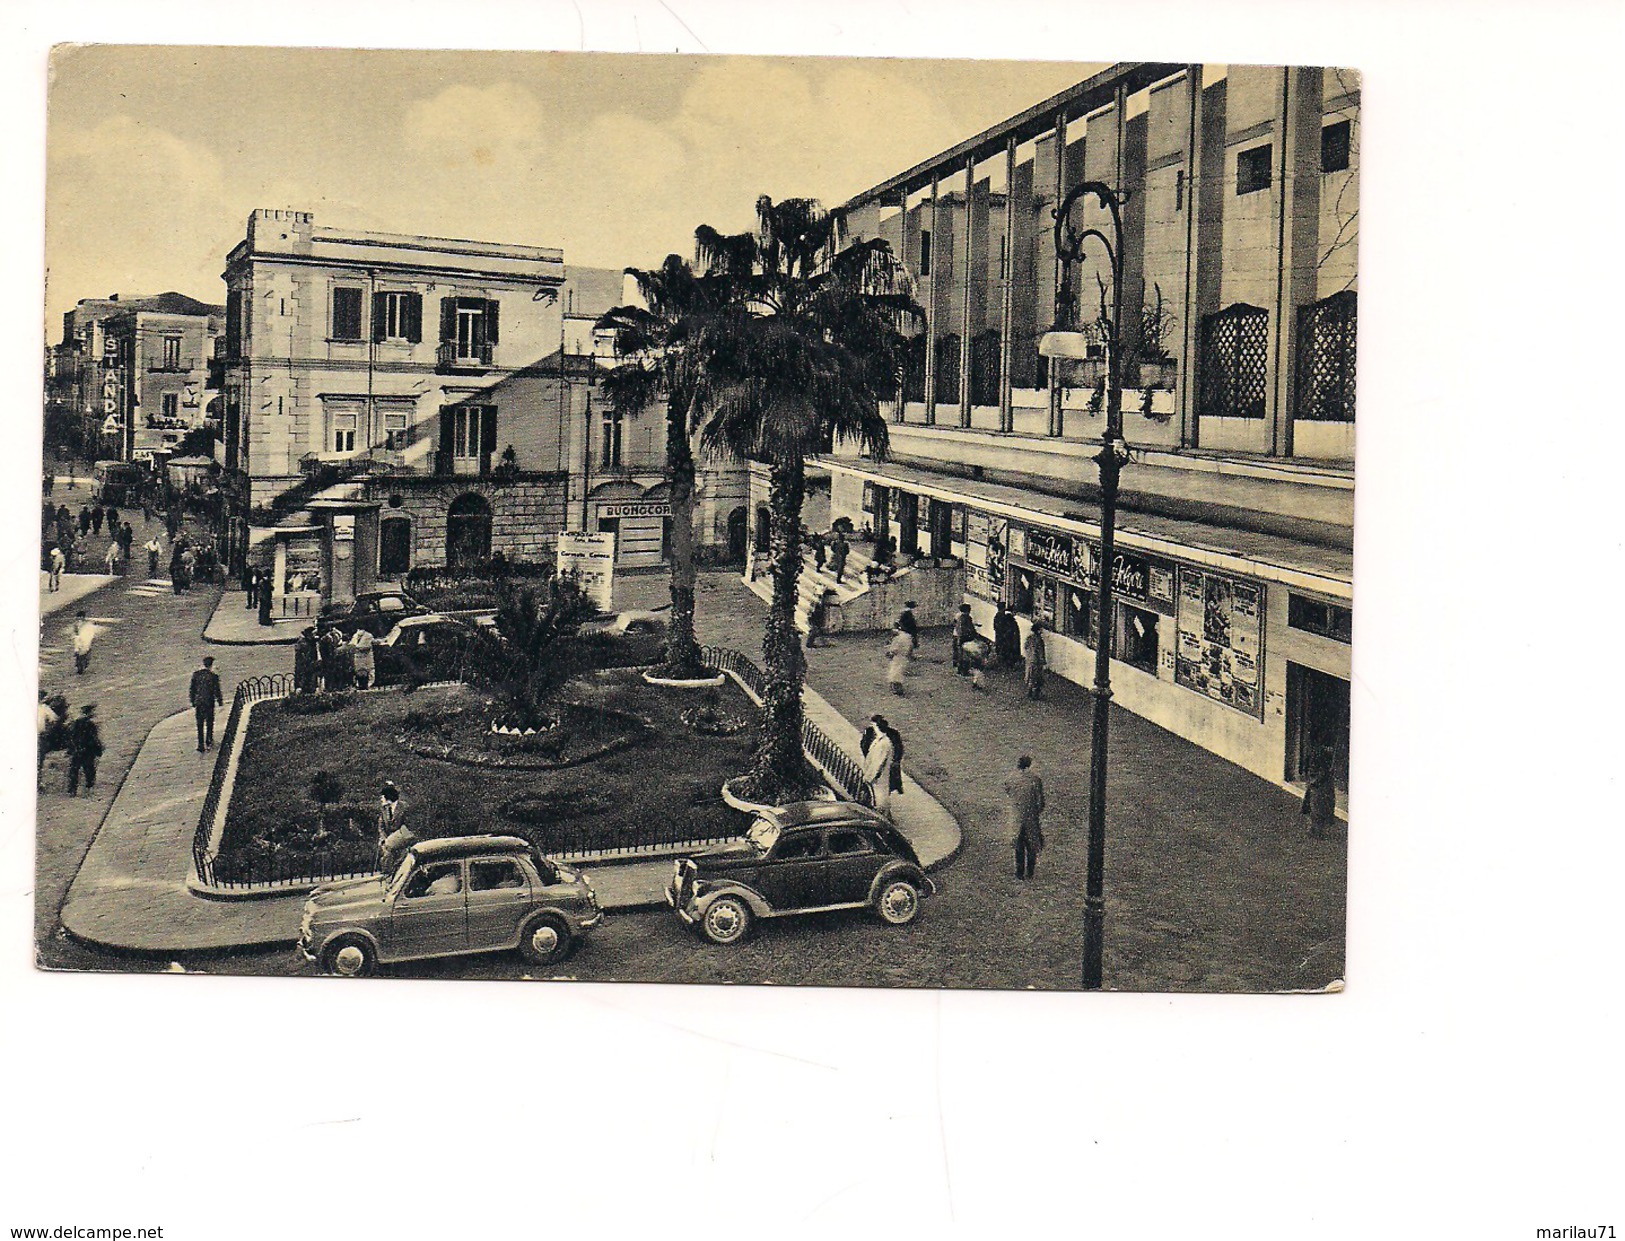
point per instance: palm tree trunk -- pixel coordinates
(779, 766)
(682, 650)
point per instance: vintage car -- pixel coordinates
(806, 857)
(422, 648)
(447, 897)
(376, 611)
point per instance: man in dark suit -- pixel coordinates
(204, 694)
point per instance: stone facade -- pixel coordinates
(527, 514)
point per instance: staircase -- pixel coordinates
(814, 584)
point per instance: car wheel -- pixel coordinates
(898, 903)
(726, 921)
(349, 956)
(544, 940)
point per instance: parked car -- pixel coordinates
(422, 648)
(806, 857)
(630, 621)
(448, 897)
(376, 611)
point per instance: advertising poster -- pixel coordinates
(589, 559)
(1220, 647)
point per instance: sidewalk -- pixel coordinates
(233, 624)
(75, 586)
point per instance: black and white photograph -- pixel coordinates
(709, 593)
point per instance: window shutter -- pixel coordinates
(448, 431)
(346, 314)
(491, 308)
(448, 320)
(412, 317)
(488, 429)
(380, 314)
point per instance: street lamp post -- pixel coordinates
(1067, 342)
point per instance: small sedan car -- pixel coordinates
(376, 611)
(802, 858)
(422, 648)
(458, 895)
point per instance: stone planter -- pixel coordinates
(711, 682)
(752, 807)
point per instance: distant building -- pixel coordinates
(132, 374)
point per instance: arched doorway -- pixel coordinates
(738, 533)
(394, 546)
(764, 529)
(468, 531)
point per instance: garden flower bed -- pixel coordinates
(622, 772)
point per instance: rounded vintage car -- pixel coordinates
(806, 857)
(457, 895)
(376, 611)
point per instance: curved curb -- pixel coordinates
(673, 683)
(756, 807)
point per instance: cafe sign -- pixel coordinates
(1060, 554)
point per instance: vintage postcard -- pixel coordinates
(575, 516)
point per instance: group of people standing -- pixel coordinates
(327, 661)
(971, 653)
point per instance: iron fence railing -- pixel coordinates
(277, 685)
(819, 746)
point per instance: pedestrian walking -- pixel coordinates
(304, 662)
(964, 629)
(84, 748)
(58, 562)
(97, 515)
(361, 657)
(1024, 793)
(112, 519)
(327, 658)
(909, 625)
(1006, 637)
(188, 565)
(895, 775)
(126, 539)
(817, 618)
(48, 722)
(204, 693)
(1320, 793)
(111, 559)
(84, 637)
(820, 551)
(978, 652)
(251, 587)
(899, 650)
(50, 481)
(838, 554)
(877, 758)
(153, 548)
(1036, 660)
(84, 521)
(265, 600)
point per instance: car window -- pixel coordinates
(799, 847)
(845, 841)
(501, 874)
(438, 879)
(391, 603)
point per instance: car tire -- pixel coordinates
(726, 921)
(898, 902)
(545, 940)
(349, 956)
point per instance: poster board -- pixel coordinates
(589, 559)
(1220, 648)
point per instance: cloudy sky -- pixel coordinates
(157, 155)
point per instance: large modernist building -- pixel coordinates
(1233, 574)
(426, 402)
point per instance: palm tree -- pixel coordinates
(810, 342)
(659, 342)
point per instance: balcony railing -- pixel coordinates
(452, 355)
(172, 366)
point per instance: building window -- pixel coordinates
(1325, 379)
(1004, 257)
(172, 405)
(344, 428)
(1253, 169)
(472, 427)
(1179, 190)
(611, 459)
(468, 329)
(172, 353)
(1329, 620)
(397, 431)
(346, 314)
(397, 316)
(234, 313)
(1235, 351)
(1134, 641)
(1334, 147)
(925, 252)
